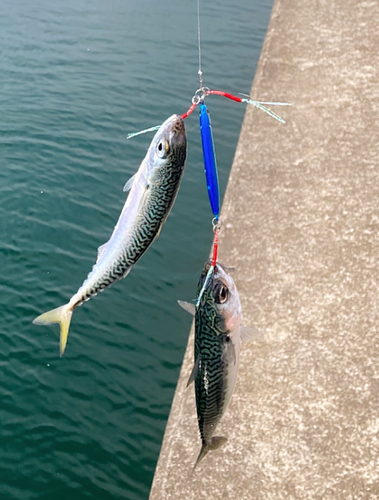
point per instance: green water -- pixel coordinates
(75, 78)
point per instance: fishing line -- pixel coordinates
(209, 159)
(209, 155)
(200, 73)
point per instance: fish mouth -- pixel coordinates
(219, 268)
(220, 273)
(226, 269)
(177, 130)
(173, 131)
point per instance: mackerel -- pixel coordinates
(153, 190)
(218, 333)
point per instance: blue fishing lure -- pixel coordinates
(209, 156)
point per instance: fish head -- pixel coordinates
(169, 144)
(221, 292)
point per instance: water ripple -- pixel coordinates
(76, 77)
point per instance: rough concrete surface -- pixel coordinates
(301, 226)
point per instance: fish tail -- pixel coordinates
(61, 315)
(212, 444)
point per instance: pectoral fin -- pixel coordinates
(190, 308)
(249, 333)
(130, 182)
(229, 354)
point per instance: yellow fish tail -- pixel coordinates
(61, 315)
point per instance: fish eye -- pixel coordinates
(221, 293)
(163, 148)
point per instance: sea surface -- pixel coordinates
(75, 78)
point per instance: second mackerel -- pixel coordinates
(153, 190)
(218, 333)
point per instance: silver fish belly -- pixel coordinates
(153, 190)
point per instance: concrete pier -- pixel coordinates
(301, 227)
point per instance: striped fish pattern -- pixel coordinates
(153, 190)
(217, 347)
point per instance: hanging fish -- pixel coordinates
(218, 333)
(153, 190)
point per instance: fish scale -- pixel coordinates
(143, 234)
(153, 190)
(210, 386)
(218, 334)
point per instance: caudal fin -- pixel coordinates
(212, 444)
(61, 315)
